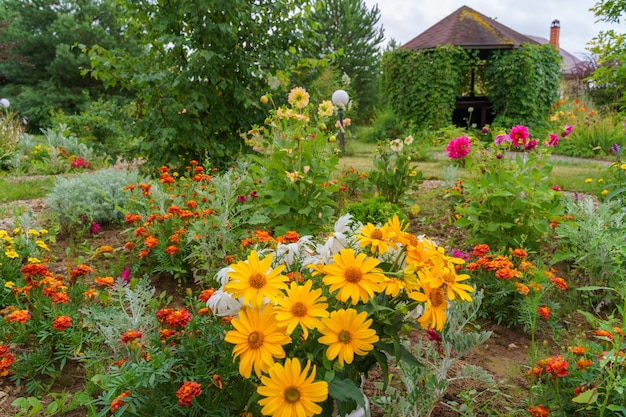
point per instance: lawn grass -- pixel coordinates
(25, 189)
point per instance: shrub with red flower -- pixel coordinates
(61, 323)
(459, 147)
(187, 392)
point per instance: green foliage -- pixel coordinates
(199, 73)
(375, 210)
(423, 386)
(90, 197)
(507, 200)
(297, 163)
(347, 31)
(523, 84)
(11, 130)
(421, 86)
(24, 189)
(385, 125)
(394, 174)
(45, 70)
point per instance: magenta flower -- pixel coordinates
(94, 228)
(532, 144)
(458, 147)
(242, 199)
(556, 187)
(519, 134)
(500, 139)
(485, 130)
(125, 275)
(553, 140)
(253, 194)
(567, 129)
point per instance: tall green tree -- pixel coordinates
(44, 71)
(609, 49)
(203, 67)
(351, 32)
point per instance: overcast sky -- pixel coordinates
(405, 19)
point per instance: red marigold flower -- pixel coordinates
(60, 297)
(141, 232)
(187, 392)
(559, 283)
(19, 316)
(143, 253)
(132, 218)
(151, 242)
(6, 360)
(179, 318)
(163, 314)
(80, 270)
(171, 250)
(480, 250)
(167, 333)
(558, 366)
(129, 245)
(539, 411)
(117, 402)
(544, 312)
(206, 294)
(291, 237)
(61, 323)
(131, 335)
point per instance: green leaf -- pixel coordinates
(587, 397)
(346, 390)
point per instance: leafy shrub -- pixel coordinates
(384, 126)
(11, 130)
(375, 210)
(90, 197)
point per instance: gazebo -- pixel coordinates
(470, 30)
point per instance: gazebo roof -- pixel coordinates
(469, 29)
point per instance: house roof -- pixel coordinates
(469, 29)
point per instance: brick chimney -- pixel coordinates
(555, 31)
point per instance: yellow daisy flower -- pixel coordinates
(435, 309)
(347, 333)
(396, 229)
(254, 280)
(302, 306)
(356, 277)
(448, 279)
(258, 339)
(291, 392)
(298, 97)
(377, 238)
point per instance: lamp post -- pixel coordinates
(340, 99)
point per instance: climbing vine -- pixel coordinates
(523, 84)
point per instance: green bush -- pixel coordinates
(92, 197)
(384, 126)
(11, 129)
(375, 210)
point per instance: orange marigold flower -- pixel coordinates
(141, 232)
(526, 266)
(263, 236)
(175, 238)
(291, 237)
(171, 250)
(105, 281)
(60, 297)
(163, 314)
(544, 312)
(129, 245)
(203, 311)
(519, 253)
(206, 294)
(558, 366)
(583, 364)
(247, 242)
(132, 218)
(187, 392)
(192, 204)
(80, 270)
(91, 294)
(178, 318)
(117, 402)
(61, 323)
(539, 411)
(151, 242)
(104, 249)
(164, 169)
(559, 283)
(578, 350)
(522, 288)
(119, 363)
(480, 250)
(603, 333)
(19, 316)
(6, 360)
(167, 333)
(131, 335)
(535, 286)
(508, 274)
(229, 259)
(218, 381)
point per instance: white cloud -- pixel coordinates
(405, 19)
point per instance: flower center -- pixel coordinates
(257, 280)
(292, 394)
(449, 279)
(436, 297)
(299, 309)
(344, 337)
(376, 234)
(353, 274)
(255, 340)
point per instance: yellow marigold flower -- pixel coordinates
(291, 391)
(298, 97)
(34, 261)
(258, 339)
(600, 179)
(604, 192)
(33, 232)
(588, 180)
(378, 238)
(17, 231)
(9, 284)
(355, 277)
(43, 232)
(303, 306)
(104, 249)
(255, 280)
(347, 333)
(11, 254)
(435, 309)
(623, 166)
(42, 245)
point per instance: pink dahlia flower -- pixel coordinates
(458, 147)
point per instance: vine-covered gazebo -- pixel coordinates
(470, 61)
